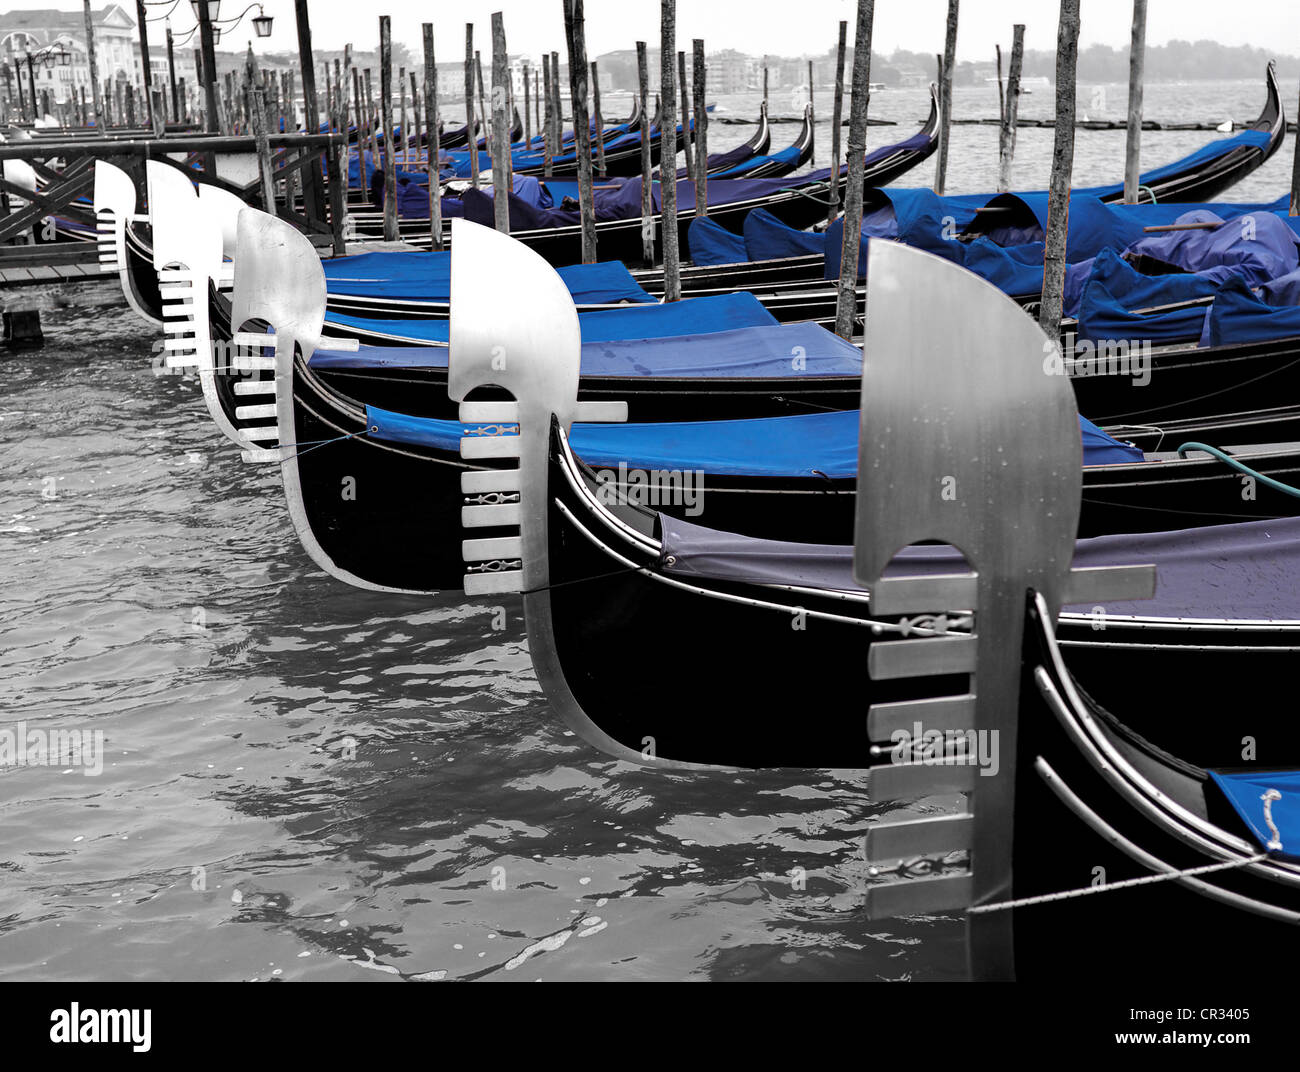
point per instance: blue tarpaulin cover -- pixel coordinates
(1250, 791)
(754, 352)
(767, 238)
(1238, 316)
(808, 445)
(694, 316)
(711, 243)
(427, 277)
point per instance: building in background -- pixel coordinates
(117, 50)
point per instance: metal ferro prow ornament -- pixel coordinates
(967, 437)
(526, 339)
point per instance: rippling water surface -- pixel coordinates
(305, 781)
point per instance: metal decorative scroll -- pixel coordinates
(535, 354)
(969, 438)
(114, 209)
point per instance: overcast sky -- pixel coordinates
(755, 26)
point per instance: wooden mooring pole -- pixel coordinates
(500, 128)
(386, 109)
(846, 301)
(837, 117)
(647, 168)
(94, 66)
(698, 84)
(432, 137)
(548, 123)
(1133, 143)
(469, 104)
(1007, 132)
(598, 120)
(1058, 199)
(688, 150)
(575, 32)
(945, 97)
(668, 151)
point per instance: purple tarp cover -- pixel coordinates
(1248, 571)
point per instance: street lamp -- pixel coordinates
(214, 8)
(262, 22)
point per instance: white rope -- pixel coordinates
(1106, 887)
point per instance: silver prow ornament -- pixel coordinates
(534, 353)
(967, 437)
(114, 200)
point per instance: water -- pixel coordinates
(302, 781)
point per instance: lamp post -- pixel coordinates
(31, 82)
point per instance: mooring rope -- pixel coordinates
(1122, 884)
(312, 444)
(1246, 470)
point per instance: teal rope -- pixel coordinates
(1215, 452)
(1148, 190)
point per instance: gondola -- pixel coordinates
(798, 201)
(1054, 785)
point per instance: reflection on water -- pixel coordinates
(305, 781)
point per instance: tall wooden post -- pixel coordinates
(1133, 144)
(698, 83)
(537, 100)
(598, 121)
(846, 303)
(688, 134)
(171, 76)
(386, 107)
(432, 137)
(557, 107)
(647, 185)
(346, 81)
(1058, 199)
(575, 31)
(257, 120)
(945, 97)
(209, 68)
(94, 65)
(482, 100)
(837, 117)
(668, 151)
(764, 81)
(500, 127)
(528, 111)
(548, 128)
(403, 131)
(469, 104)
(144, 57)
(1007, 135)
(1295, 175)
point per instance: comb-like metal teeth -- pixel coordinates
(919, 896)
(921, 658)
(911, 595)
(505, 446)
(1114, 583)
(493, 547)
(943, 713)
(491, 584)
(260, 456)
(933, 835)
(254, 387)
(479, 481)
(911, 781)
(266, 432)
(254, 413)
(480, 517)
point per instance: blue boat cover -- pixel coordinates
(809, 445)
(1238, 316)
(1257, 561)
(427, 277)
(710, 243)
(788, 158)
(767, 238)
(694, 316)
(1264, 797)
(763, 352)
